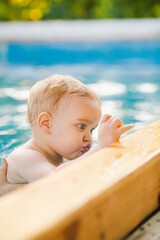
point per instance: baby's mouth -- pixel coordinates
(86, 148)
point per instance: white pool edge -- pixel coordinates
(80, 30)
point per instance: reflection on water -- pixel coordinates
(127, 80)
(146, 88)
(14, 93)
(103, 88)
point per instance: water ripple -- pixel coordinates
(107, 88)
(15, 93)
(146, 88)
(8, 132)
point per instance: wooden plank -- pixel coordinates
(103, 196)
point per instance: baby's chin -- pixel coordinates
(82, 153)
(73, 157)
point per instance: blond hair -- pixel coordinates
(45, 94)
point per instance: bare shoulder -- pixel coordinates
(21, 155)
(23, 165)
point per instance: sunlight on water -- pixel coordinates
(127, 80)
(146, 88)
(15, 93)
(8, 132)
(144, 116)
(113, 107)
(103, 88)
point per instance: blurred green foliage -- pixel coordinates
(11, 10)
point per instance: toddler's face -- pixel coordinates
(73, 124)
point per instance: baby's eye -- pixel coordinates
(82, 126)
(92, 130)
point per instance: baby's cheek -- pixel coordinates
(71, 144)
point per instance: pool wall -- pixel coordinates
(80, 30)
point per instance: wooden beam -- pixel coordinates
(103, 196)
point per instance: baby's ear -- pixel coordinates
(45, 122)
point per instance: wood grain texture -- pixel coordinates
(103, 196)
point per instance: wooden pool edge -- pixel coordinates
(86, 201)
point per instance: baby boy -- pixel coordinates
(63, 113)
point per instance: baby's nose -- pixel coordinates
(87, 137)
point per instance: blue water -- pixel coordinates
(126, 76)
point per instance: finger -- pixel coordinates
(117, 122)
(126, 128)
(105, 118)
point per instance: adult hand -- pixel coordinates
(3, 170)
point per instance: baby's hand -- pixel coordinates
(110, 130)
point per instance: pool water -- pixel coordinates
(125, 75)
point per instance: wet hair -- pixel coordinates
(45, 94)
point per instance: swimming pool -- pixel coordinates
(126, 76)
